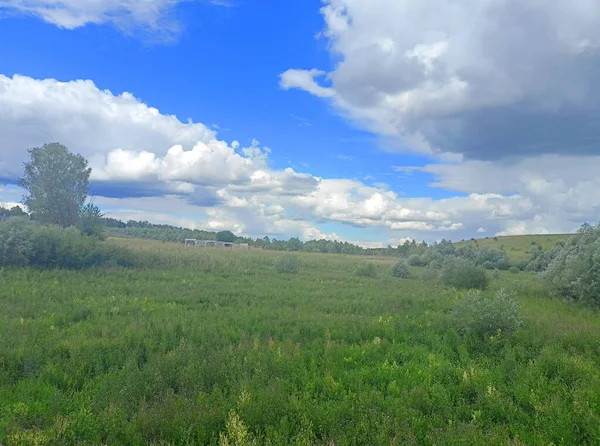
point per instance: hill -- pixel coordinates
(517, 247)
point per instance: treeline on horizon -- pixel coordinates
(169, 233)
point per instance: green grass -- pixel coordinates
(209, 345)
(517, 247)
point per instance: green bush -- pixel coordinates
(416, 260)
(24, 243)
(400, 270)
(287, 264)
(366, 269)
(514, 270)
(460, 273)
(488, 265)
(480, 315)
(574, 273)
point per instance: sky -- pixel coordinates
(370, 121)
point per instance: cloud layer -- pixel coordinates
(148, 164)
(486, 79)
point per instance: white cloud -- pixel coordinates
(151, 15)
(483, 78)
(146, 163)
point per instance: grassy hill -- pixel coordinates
(518, 247)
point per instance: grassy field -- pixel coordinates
(215, 347)
(517, 247)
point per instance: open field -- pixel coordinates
(214, 346)
(517, 247)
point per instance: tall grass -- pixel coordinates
(212, 346)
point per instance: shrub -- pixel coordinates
(574, 271)
(461, 273)
(25, 243)
(400, 270)
(366, 269)
(488, 265)
(416, 260)
(480, 315)
(514, 270)
(496, 273)
(287, 264)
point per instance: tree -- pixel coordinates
(91, 221)
(57, 183)
(16, 211)
(226, 236)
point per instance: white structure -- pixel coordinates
(213, 244)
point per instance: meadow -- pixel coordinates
(517, 247)
(217, 347)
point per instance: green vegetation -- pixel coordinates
(461, 273)
(57, 184)
(201, 346)
(400, 270)
(287, 264)
(574, 272)
(366, 269)
(517, 247)
(483, 316)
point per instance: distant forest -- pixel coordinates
(168, 233)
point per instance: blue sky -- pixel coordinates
(357, 107)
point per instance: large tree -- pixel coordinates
(57, 184)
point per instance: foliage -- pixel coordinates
(488, 265)
(461, 273)
(416, 260)
(208, 344)
(513, 270)
(27, 243)
(57, 183)
(90, 221)
(225, 236)
(287, 264)
(574, 272)
(366, 269)
(484, 316)
(400, 270)
(15, 211)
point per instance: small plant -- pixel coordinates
(480, 315)
(496, 273)
(513, 270)
(400, 270)
(366, 269)
(287, 264)
(460, 273)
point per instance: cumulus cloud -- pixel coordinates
(487, 79)
(146, 163)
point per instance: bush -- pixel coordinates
(287, 264)
(460, 273)
(488, 265)
(400, 270)
(514, 270)
(496, 273)
(366, 269)
(574, 272)
(479, 315)
(24, 243)
(415, 260)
